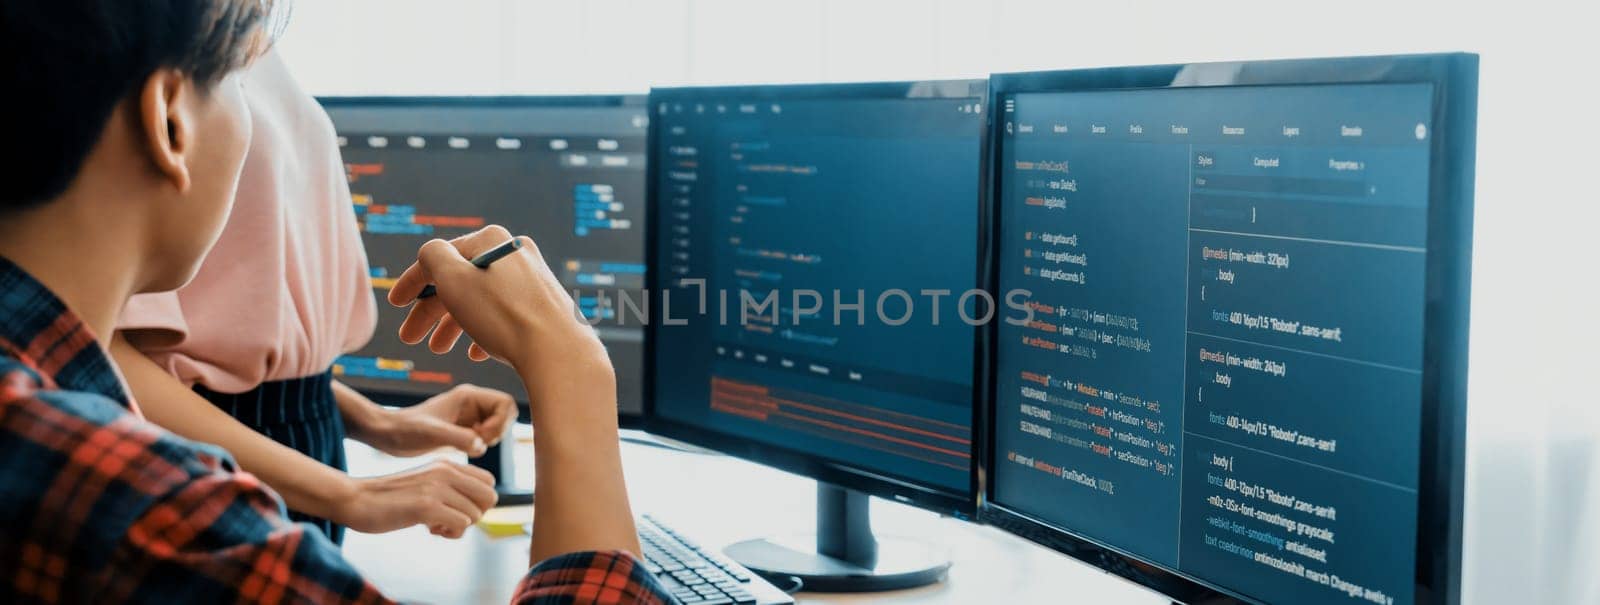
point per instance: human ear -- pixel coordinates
(166, 114)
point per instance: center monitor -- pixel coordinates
(816, 255)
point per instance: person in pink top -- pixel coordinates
(240, 356)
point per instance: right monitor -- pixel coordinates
(1242, 366)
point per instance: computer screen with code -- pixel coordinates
(819, 252)
(1222, 373)
(568, 172)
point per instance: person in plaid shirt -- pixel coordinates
(129, 130)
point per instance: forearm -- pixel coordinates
(363, 419)
(305, 484)
(581, 502)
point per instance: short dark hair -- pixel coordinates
(66, 64)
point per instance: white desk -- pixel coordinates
(715, 500)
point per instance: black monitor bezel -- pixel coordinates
(401, 399)
(1442, 458)
(899, 489)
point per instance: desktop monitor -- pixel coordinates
(814, 250)
(1243, 370)
(567, 171)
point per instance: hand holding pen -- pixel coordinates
(505, 298)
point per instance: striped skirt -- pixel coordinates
(300, 413)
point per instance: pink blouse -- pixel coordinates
(286, 290)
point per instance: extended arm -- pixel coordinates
(446, 496)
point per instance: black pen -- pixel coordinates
(481, 261)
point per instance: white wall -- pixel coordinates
(1534, 503)
(541, 46)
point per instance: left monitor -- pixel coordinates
(567, 171)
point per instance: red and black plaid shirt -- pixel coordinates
(98, 505)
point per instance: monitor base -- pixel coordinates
(843, 556)
(901, 564)
(513, 497)
(500, 462)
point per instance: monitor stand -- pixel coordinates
(499, 460)
(846, 556)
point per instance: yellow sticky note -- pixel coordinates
(506, 521)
